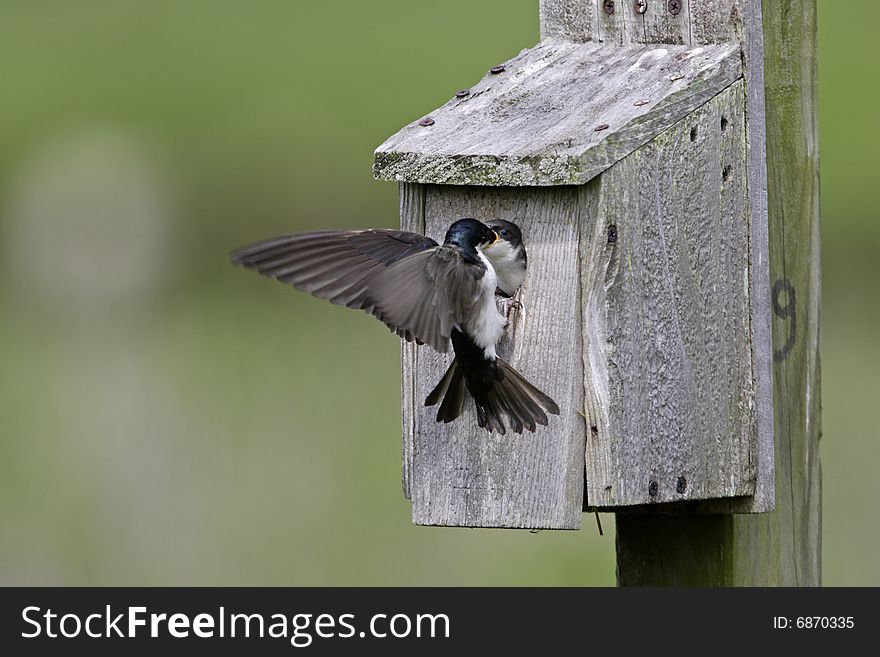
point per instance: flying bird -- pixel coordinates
(434, 294)
(508, 258)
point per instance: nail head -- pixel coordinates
(674, 7)
(681, 485)
(653, 489)
(641, 6)
(599, 128)
(426, 121)
(461, 93)
(612, 234)
(495, 70)
(608, 6)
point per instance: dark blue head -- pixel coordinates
(469, 234)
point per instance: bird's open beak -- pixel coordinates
(495, 239)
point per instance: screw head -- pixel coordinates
(495, 70)
(612, 234)
(608, 6)
(681, 485)
(462, 93)
(426, 121)
(674, 7)
(641, 6)
(653, 489)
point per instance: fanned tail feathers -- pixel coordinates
(451, 389)
(498, 391)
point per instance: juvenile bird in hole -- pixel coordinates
(508, 257)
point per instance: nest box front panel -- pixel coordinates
(458, 473)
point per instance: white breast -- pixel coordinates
(510, 272)
(486, 325)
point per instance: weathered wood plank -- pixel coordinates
(714, 21)
(412, 218)
(656, 24)
(732, 278)
(753, 51)
(462, 475)
(763, 498)
(663, 26)
(785, 548)
(536, 122)
(695, 21)
(667, 309)
(782, 548)
(611, 26)
(570, 20)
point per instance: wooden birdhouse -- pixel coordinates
(629, 147)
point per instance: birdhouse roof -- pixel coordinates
(557, 114)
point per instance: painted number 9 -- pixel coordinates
(785, 306)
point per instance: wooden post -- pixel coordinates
(781, 548)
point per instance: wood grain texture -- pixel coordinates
(697, 22)
(753, 52)
(662, 26)
(714, 21)
(728, 16)
(569, 20)
(412, 218)
(535, 123)
(782, 548)
(460, 474)
(666, 312)
(611, 27)
(656, 25)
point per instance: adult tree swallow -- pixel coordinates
(508, 257)
(433, 294)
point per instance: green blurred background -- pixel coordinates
(169, 419)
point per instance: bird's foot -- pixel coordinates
(509, 306)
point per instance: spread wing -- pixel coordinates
(336, 265)
(427, 294)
